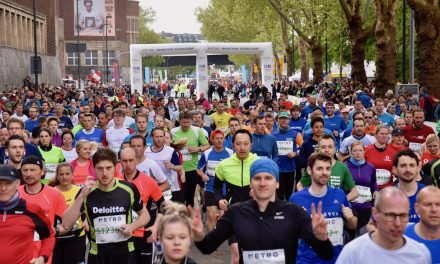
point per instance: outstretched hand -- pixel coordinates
(319, 224)
(196, 223)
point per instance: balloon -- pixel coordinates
(92, 71)
(99, 73)
(89, 76)
(98, 78)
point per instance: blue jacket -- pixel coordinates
(285, 163)
(265, 146)
(307, 148)
(297, 125)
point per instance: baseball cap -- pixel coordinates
(397, 132)
(265, 165)
(32, 160)
(8, 172)
(284, 115)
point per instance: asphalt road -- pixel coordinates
(222, 255)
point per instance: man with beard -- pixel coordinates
(15, 151)
(406, 169)
(427, 231)
(358, 135)
(418, 132)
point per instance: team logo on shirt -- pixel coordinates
(387, 158)
(108, 210)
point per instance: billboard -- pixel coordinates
(91, 18)
(402, 89)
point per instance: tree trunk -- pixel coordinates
(287, 47)
(358, 40)
(302, 48)
(427, 24)
(317, 53)
(386, 50)
(278, 72)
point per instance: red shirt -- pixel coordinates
(416, 137)
(383, 162)
(17, 229)
(427, 157)
(53, 204)
(148, 189)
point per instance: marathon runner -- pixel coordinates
(108, 205)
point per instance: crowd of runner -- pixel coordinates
(292, 173)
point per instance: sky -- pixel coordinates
(175, 16)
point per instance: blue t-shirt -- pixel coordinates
(297, 125)
(65, 122)
(413, 216)
(386, 119)
(432, 245)
(208, 161)
(286, 142)
(30, 124)
(332, 203)
(96, 136)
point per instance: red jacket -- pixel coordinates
(17, 228)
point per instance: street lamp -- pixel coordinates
(77, 44)
(34, 68)
(106, 49)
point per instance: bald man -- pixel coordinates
(387, 242)
(149, 191)
(427, 231)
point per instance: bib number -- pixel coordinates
(382, 176)
(107, 229)
(284, 147)
(415, 146)
(364, 194)
(210, 167)
(50, 171)
(335, 228)
(271, 256)
(186, 156)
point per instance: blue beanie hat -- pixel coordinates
(265, 165)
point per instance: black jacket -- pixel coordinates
(279, 227)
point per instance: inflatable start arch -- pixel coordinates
(201, 51)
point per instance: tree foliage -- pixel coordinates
(147, 35)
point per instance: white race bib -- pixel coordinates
(271, 256)
(335, 227)
(51, 171)
(415, 146)
(210, 167)
(382, 176)
(167, 195)
(364, 194)
(107, 229)
(284, 147)
(186, 156)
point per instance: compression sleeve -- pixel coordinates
(324, 249)
(222, 231)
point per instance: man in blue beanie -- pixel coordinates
(267, 229)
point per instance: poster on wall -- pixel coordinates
(94, 17)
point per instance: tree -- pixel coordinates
(427, 24)
(309, 19)
(148, 36)
(386, 49)
(359, 32)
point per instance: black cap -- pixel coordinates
(32, 160)
(397, 132)
(8, 172)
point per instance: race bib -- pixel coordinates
(167, 195)
(335, 181)
(382, 176)
(415, 146)
(271, 256)
(107, 229)
(364, 194)
(335, 227)
(284, 147)
(210, 167)
(50, 171)
(186, 156)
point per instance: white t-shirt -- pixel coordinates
(22, 117)
(70, 155)
(115, 137)
(165, 155)
(127, 122)
(363, 250)
(152, 169)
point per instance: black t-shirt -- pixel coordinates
(106, 211)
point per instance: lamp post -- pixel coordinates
(106, 49)
(34, 69)
(77, 45)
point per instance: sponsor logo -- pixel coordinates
(108, 210)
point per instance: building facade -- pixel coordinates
(107, 27)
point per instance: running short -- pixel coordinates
(210, 199)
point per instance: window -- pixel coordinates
(91, 58)
(111, 57)
(72, 58)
